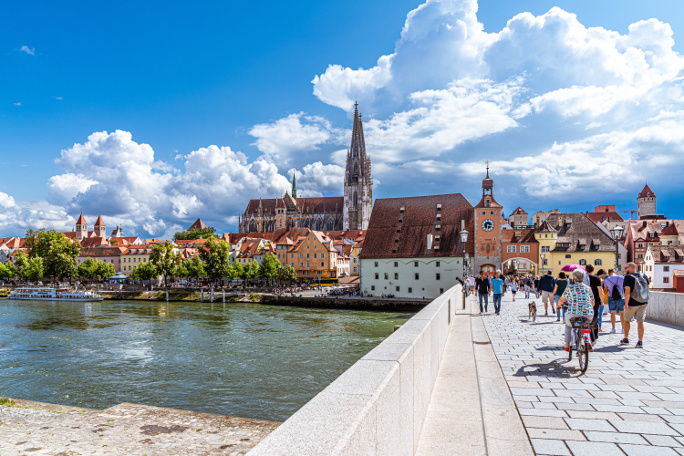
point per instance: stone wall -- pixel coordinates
(666, 307)
(379, 404)
(400, 305)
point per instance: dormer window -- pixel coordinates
(402, 209)
(439, 207)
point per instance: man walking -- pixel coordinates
(497, 291)
(636, 301)
(527, 281)
(482, 286)
(616, 297)
(597, 289)
(545, 286)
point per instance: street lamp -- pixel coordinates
(617, 231)
(464, 239)
(543, 263)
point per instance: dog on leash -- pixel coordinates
(532, 306)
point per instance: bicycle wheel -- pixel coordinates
(583, 355)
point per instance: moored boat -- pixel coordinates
(54, 294)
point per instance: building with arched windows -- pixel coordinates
(333, 213)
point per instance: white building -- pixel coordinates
(660, 262)
(413, 247)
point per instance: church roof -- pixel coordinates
(399, 227)
(99, 221)
(81, 220)
(198, 225)
(305, 205)
(647, 192)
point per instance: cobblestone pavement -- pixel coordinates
(31, 428)
(629, 402)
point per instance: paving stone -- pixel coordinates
(594, 449)
(641, 417)
(555, 434)
(663, 440)
(550, 447)
(641, 450)
(544, 422)
(589, 425)
(644, 427)
(615, 437)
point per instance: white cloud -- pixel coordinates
(18, 103)
(65, 187)
(27, 50)
(279, 141)
(317, 179)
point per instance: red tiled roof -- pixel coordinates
(598, 217)
(94, 241)
(518, 236)
(519, 211)
(198, 225)
(97, 252)
(647, 192)
(399, 227)
(670, 230)
(81, 220)
(667, 253)
(99, 221)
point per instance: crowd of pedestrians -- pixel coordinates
(585, 292)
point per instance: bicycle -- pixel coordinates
(579, 344)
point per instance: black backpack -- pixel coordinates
(615, 295)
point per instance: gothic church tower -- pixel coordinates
(358, 183)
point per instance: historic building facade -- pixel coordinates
(334, 213)
(488, 231)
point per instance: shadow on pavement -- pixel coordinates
(552, 369)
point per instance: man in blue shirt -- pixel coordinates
(497, 291)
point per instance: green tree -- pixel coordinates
(270, 265)
(164, 259)
(28, 268)
(195, 268)
(4, 272)
(88, 269)
(58, 253)
(204, 233)
(105, 270)
(252, 270)
(215, 255)
(182, 270)
(238, 272)
(288, 273)
(146, 271)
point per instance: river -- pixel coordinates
(246, 360)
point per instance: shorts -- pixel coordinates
(547, 297)
(636, 311)
(616, 305)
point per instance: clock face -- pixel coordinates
(488, 225)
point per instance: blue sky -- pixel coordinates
(154, 114)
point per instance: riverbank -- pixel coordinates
(125, 429)
(354, 303)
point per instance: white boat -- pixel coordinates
(54, 294)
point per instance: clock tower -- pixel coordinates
(488, 226)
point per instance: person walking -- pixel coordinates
(614, 284)
(482, 286)
(636, 301)
(514, 288)
(558, 290)
(535, 285)
(580, 300)
(546, 285)
(602, 275)
(597, 289)
(497, 291)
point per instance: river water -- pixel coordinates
(246, 360)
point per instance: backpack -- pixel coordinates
(615, 294)
(640, 292)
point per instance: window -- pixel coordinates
(322, 264)
(410, 290)
(511, 249)
(438, 276)
(437, 264)
(307, 255)
(567, 255)
(372, 287)
(308, 265)
(524, 249)
(396, 264)
(291, 255)
(441, 291)
(377, 276)
(666, 269)
(323, 256)
(314, 255)
(301, 264)
(598, 262)
(376, 264)
(396, 276)
(397, 288)
(301, 255)
(386, 276)
(315, 246)
(415, 264)
(308, 246)
(546, 262)
(666, 280)
(417, 276)
(545, 248)
(583, 262)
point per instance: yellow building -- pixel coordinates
(572, 238)
(134, 256)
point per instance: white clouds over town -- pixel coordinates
(544, 99)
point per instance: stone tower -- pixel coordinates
(646, 203)
(488, 215)
(100, 228)
(358, 183)
(81, 228)
(294, 185)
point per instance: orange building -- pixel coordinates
(488, 231)
(520, 251)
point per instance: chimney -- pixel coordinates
(429, 241)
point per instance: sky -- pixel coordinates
(153, 114)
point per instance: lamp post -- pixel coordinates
(617, 231)
(464, 239)
(543, 263)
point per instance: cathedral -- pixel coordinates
(333, 213)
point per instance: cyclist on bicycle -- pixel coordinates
(580, 301)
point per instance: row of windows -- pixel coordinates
(410, 289)
(301, 255)
(523, 249)
(416, 275)
(415, 264)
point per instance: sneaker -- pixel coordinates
(612, 331)
(624, 341)
(639, 345)
(546, 313)
(557, 319)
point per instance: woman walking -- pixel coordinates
(580, 300)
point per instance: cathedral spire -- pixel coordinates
(358, 143)
(294, 184)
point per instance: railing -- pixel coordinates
(666, 307)
(381, 401)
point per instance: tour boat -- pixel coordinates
(54, 294)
